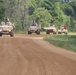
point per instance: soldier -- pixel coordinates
(5, 21)
(33, 23)
(65, 27)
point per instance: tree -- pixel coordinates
(17, 11)
(2, 9)
(73, 4)
(34, 4)
(48, 5)
(67, 9)
(31, 6)
(42, 16)
(58, 15)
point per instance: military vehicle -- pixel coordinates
(51, 29)
(62, 29)
(7, 29)
(34, 28)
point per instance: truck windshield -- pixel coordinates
(5, 23)
(33, 24)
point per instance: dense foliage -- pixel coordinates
(44, 12)
(2, 9)
(62, 12)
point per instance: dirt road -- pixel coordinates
(30, 55)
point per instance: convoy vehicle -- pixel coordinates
(63, 29)
(34, 28)
(51, 29)
(7, 29)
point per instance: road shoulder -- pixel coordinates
(55, 49)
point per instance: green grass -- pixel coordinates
(65, 41)
(24, 32)
(20, 32)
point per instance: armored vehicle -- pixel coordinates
(51, 29)
(62, 29)
(34, 28)
(7, 29)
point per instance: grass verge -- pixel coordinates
(65, 41)
(20, 32)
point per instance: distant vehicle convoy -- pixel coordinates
(6, 28)
(51, 29)
(35, 28)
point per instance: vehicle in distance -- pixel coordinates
(7, 29)
(51, 29)
(63, 29)
(34, 28)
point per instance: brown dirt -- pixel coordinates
(30, 55)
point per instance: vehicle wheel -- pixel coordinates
(29, 32)
(11, 34)
(47, 32)
(0, 34)
(38, 32)
(59, 32)
(54, 32)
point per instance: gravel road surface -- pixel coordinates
(30, 55)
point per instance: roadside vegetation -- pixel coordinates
(2, 10)
(20, 32)
(64, 41)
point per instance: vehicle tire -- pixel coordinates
(0, 34)
(59, 32)
(54, 32)
(47, 32)
(11, 34)
(29, 32)
(38, 32)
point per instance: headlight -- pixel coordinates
(9, 30)
(0, 29)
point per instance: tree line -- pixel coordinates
(44, 12)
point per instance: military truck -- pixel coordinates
(63, 29)
(51, 29)
(7, 29)
(34, 28)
